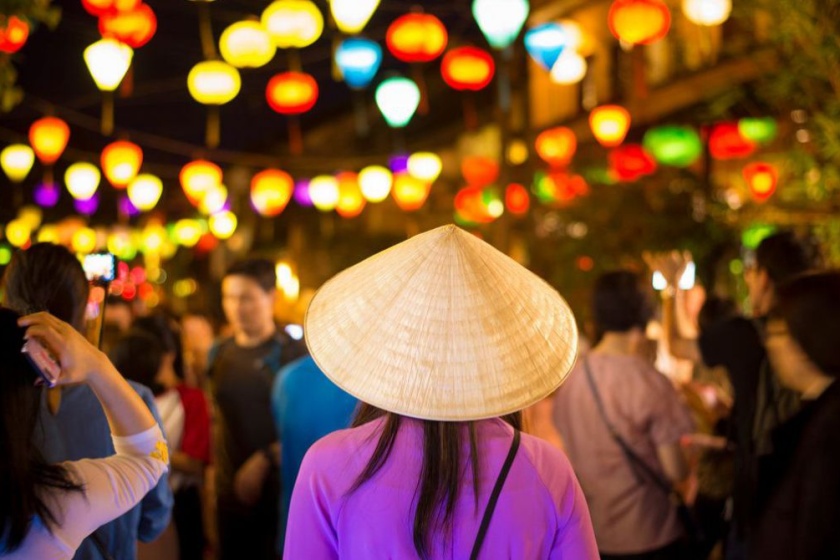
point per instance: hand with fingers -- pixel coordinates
(671, 264)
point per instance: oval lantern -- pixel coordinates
(350, 199)
(101, 7)
(761, 179)
(397, 99)
(677, 146)
(416, 38)
(358, 59)
(17, 161)
(271, 191)
(293, 23)
(425, 166)
(213, 200)
(609, 124)
(375, 182)
(246, 44)
(726, 142)
(570, 68)
(82, 180)
(556, 146)
(323, 191)
(144, 191)
(631, 162)
(351, 16)
(108, 61)
(292, 93)
(410, 193)
(188, 232)
(500, 20)
(517, 201)
(13, 34)
(639, 22)
(46, 194)
(479, 171)
(121, 161)
(133, 27)
(223, 224)
(470, 207)
(467, 68)
(707, 12)
(545, 43)
(87, 207)
(758, 129)
(213, 82)
(48, 137)
(199, 176)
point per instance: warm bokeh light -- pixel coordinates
(416, 38)
(134, 27)
(500, 20)
(397, 99)
(271, 191)
(293, 23)
(517, 200)
(18, 233)
(630, 162)
(108, 61)
(707, 12)
(121, 161)
(375, 182)
(467, 68)
(48, 137)
(570, 68)
(82, 180)
(13, 34)
(84, 240)
(425, 166)
(323, 191)
(144, 191)
(197, 177)
(17, 161)
(188, 232)
(556, 146)
(761, 179)
(292, 93)
(410, 193)
(223, 224)
(246, 44)
(213, 199)
(609, 124)
(213, 82)
(351, 16)
(351, 202)
(639, 22)
(479, 171)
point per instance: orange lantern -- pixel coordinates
(100, 7)
(350, 199)
(271, 191)
(639, 22)
(121, 161)
(470, 207)
(416, 38)
(556, 146)
(13, 34)
(631, 162)
(479, 171)
(517, 200)
(467, 68)
(48, 137)
(761, 179)
(199, 176)
(727, 142)
(292, 93)
(409, 192)
(133, 27)
(609, 124)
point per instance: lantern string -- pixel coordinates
(205, 30)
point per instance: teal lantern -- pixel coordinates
(677, 146)
(500, 20)
(397, 99)
(545, 43)
(358, 59)
(760, 130)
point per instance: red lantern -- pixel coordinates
(479, 171)
(467, 68)
(292, 93)
(631, 162)
(48, 137)
(469, 205)
(556, 146)
(761, 179)
(100, 7)
(517, 200)
(639, 22)
(726, 142)
(416, 38)
(271, 191)
(133, 27)
(13, 35)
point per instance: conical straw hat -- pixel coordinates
(442, 327)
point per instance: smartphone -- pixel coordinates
(44, 364)
(100, 268)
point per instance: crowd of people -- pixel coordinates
(442, 404)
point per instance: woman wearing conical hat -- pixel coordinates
(445, 340)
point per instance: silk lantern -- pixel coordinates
(98, 8)
(293, 23)
(556, 146)
(48, 137)
(324, 193)
(351, 16)
(726, 142)
(13, 34)
(144, 191)
(570, 68)
(358, 59)
(479, 171)
(517, 200)
(290, 94)
(375, 183)
(425, 166)
(639, 22)
(121, 161)
(410, 193)
(500, 20)
(397, 98)
(351, 202)
(82, 180)
(108, 61)
(17, 161)
(271, 191)
(467, 68)
(133, 27)
(246, 44)
(609, 124)
(197, 177)
(545, 43)
(416, 38)
(677, 146)
(761, 179)
(213, 83)
(707, 12)
(631, 162)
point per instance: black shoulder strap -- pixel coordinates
(494, 497)
(100, 546)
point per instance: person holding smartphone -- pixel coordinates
(47, 510)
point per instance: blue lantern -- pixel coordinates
(359, 60)
(545, 43)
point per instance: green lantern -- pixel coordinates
(500, 20)
(760, 130)
(397, 99)
(677, 146)
(493, 202)
(752, 237)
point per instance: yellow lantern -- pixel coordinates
(246, 44)
(425, 166)
(197, 177)
(350, 199)
(48, 234)
(223, 224)
(31, 216)
(82, 180)
(410, 193)
(213, 200)
(351, 16)
(609, 124)
(144, 191)
(707, 12)
(17, 161)
(375, 182)
(187, 232)
(48, 137)
(213, 82)
(18, 232)
(121, 161)
(293, 23)
(108, 61)
(570, 68)
(153, 238)
(323, 190)
(84, 240)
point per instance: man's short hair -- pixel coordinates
(785, 255)
(619, 303)
(261, 271)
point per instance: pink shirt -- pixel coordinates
(541, 513)
(630, 514)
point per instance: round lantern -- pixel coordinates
(246, 44)
(121, 161)
(133, 27)
(425, 166)
(479, 171)
(188, 232)
(358, 60)
(351, 16)
(545, 43)
(293, 23)
(292, 93)
(48, 137)
(631, 162)
(84, 240)
(301, 193)
(223, 224)
(144, 191)
(517, 200)
(13, 34)
(677, 146)
(82, 180)
(707, 12)
(397, 99)
(271, 191)
(323, 190)
(726, 142)
(18, 233)
(500, 20)
(87, 207)
(570, 68)
(758, 129)
(467, 68)
(197, 177)
(375, 183)
(761, 179)
(609, 124)
(17, 161)
(213, 82)
(470, 207)
(639, 22)
(213, 200)
(46, 194)
(409, 192)
(101, 7)
(350, 199)
(556, 146)
(108, 61)
(416, 38)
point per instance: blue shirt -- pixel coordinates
(80, 431)
(306, 406)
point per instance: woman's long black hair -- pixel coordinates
(441, 474)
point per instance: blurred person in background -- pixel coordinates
(118, 313)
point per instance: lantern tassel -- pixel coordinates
(107, 120)
(214, 125)
(205, 30)
(295, 136)
(417, 75)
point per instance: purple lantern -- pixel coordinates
(126, 208)
(87, 207)
(46, 194)
(301, 193)
(398, 163)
